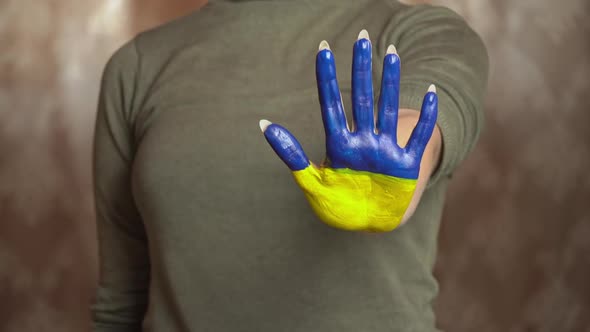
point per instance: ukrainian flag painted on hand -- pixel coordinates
(367, 180)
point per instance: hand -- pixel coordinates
(367, 180)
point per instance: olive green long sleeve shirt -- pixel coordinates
(200, 225)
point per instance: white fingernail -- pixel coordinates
(363, 35)
(391, 50)
(264, 124)
(432, 88)
(324, 45)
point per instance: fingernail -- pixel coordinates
(264, 124)
(432, 88)
(324, 45)
(391, 50)
(363, 35)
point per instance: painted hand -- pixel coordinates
(367, 180)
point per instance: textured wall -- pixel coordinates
(515, 242)
(515, 248)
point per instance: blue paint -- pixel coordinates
(362, 86)
(329, 94)
(286, 147)
(380, 153)
(362, 149)
(425, 126)
(389, 97)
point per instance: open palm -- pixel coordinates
(367, 180)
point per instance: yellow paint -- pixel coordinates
(356, 200)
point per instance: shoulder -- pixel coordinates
(177, 34)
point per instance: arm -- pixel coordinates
(121, 298)
(371, 181)
(437, 46)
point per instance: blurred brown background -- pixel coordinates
(515, 241)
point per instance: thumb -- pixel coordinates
(285, 145)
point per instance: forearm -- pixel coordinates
(430, 160)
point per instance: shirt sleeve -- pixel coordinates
(436, 46)
(121, 298)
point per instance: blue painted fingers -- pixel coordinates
(363, 148)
